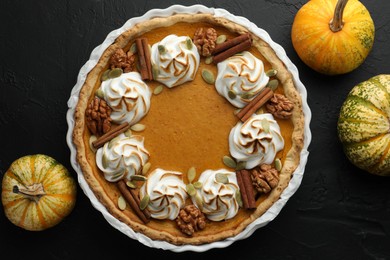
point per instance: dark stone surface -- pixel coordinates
(339, 211)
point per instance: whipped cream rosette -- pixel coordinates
(217, 198)
(240, 78)
(128, 96)
(256, 141)
(175, 60)
(122, 157)
(167, 193)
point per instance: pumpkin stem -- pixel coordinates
(336, 24)
(33, 192)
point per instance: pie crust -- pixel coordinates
(294, 158)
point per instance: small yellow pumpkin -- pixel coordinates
(37, 192)
(333, 37)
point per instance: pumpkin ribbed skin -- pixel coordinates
(329, 52)
(364, 127)
(43, 210)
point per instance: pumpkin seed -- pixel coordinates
(137, 177)
(189, 43)
(271, 73)
(232, 94)
(99, 93)
(208, 76)
(238, 198)
(155, 71)
(161, 49)
(133, 48)
(221, 38)
(199, 201)
(146, 168)
(240, 165)
(229, 161)
(247, 95)
(191, 174)
(121, 203)
(114, 73)
(112, 141)
(260, 111)
(144, 202)
(138, 127)
(197, 185)
(118, 174)
(158, 89)
(104, 76)
(273, 84)
(92, 138)
(105, 161)
(222, 178)
(190, 189)
(131, 184)
(265, 124)
(278, 164)
(128, 133)
(208, 60)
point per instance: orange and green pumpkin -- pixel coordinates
(333, 37)
(364, 126)
(37, 192)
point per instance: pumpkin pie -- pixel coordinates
(188, 128)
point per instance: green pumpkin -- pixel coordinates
(364, 127)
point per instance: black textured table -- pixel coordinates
(339, 211)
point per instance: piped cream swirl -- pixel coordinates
(218, 199)
(128, 96)
(242, 76)
(256, 141)
(122, 157)
(175, 60)
(167, 193)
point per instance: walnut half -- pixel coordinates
(205, 40)
(264, 178)
(97, 116)
(280, 106)
(121, 60)
(190, 220)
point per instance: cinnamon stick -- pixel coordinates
(131, 200)
(255, 104)
(110, 135)
(243, 46)
(141, 58)
(145, 46)
(230, 43)
(246, 179)
(241, 185)
(137, 200)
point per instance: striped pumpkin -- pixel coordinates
(364, 127)
(37, 192)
